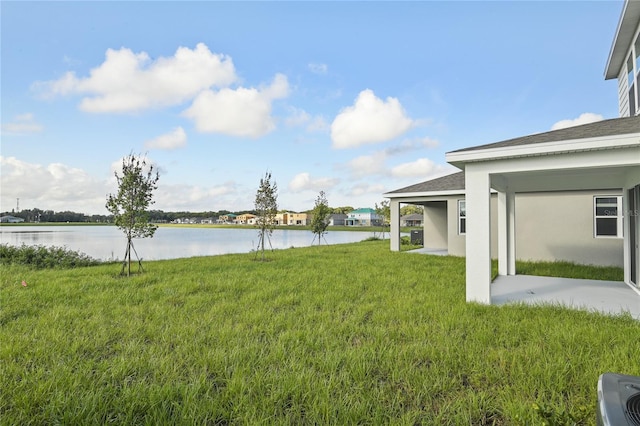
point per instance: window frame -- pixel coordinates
(461, 217)
(633, 77)
(618, 216)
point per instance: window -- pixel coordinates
(637, 48)
(462, 217)
(607, 216)
(632, 87)
(637, 83)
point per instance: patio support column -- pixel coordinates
(506, 233)
(394, 230)
(511, 253)
(478, 234)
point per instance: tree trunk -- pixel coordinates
(129, 258)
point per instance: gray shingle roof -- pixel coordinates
(611, 127)
(455, 181)
(451, 182)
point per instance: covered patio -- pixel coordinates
(607, 297)
(596, 156)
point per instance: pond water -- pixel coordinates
(109, 243)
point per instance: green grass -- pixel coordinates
(345, 334)
(570, 270)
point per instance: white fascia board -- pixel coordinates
(576, 145)
(435, 194)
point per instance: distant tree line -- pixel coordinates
(158, 216)
(36, 215)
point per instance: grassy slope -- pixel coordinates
(334, 335)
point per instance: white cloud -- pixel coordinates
(304, 182)
(129, 82)
(418, 168)
(198, 198)
(318, 68)
(22, 124)
(240, 112)
(361, 189)
(585, 118)
(299, 117)
(177, 138)
(60, 187)
(55, 186)
(367, 165)
(370, 120)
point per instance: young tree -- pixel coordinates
(411, 209)
(384, 212)
(129, 206)
(320, 219)
(266, 206)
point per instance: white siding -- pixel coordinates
(623, 93)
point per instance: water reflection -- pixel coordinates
(108, 242)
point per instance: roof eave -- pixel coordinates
(460, 158)
(424, 194)
(625, 31)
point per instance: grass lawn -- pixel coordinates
(344, 334)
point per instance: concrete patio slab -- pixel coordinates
(609, 297)
(436, 252)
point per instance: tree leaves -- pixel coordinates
(266, 205)
(321, 212)
(135, 194)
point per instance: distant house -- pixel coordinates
(227, 218)
(185, 220)
(302, 219)
(282, 219)
(569, 194)
(411, 220)
(363, 217)
(11, 219)
(337, 219)
(245, 219)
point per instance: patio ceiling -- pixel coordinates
(612, 177)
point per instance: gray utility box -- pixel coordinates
(417, 237)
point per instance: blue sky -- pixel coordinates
(352, 98)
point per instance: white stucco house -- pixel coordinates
(571, 194)
(363, 217)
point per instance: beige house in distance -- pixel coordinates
(246, 219)
(571, 194)
(303, 219)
